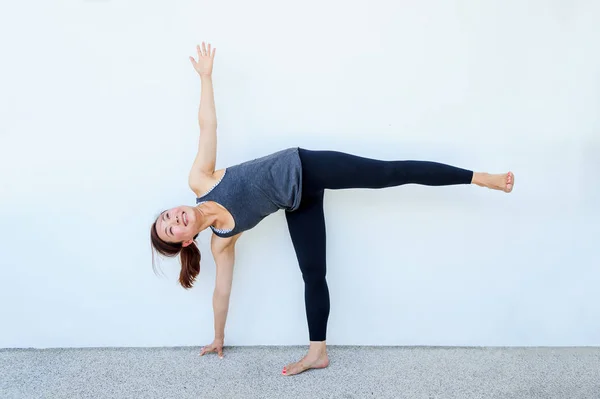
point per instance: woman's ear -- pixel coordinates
(186, 243)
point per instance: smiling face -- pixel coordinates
(178, 224)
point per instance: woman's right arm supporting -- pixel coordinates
(224, 262)
(223, 250)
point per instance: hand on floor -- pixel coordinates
(216, 346)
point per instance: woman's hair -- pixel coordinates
(189, 256)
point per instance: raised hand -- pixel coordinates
(206, 56)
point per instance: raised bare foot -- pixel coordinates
(310, 361)
(503, 182)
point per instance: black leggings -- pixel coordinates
(337, 170)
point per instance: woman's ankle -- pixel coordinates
(480, 179)
(317, 346)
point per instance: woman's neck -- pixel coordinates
(212, 214)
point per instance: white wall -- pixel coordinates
(98, 131)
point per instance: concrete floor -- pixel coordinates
(255, 372)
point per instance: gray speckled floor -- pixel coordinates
(255, 372)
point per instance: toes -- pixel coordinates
(509, 182)
(293, 368)
(287, 370)
(290, 366)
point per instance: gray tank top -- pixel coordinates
(252, 190)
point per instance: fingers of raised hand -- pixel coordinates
(205, 51)
(202, 50)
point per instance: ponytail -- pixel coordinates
(190, 265)
(189, 257)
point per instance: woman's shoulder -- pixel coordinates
(203, 183)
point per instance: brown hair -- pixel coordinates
(189, 256)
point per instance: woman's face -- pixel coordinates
(179, 224)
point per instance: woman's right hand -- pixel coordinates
(216, 346)
(204, 65)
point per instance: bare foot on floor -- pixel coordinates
(503, 182)
(308, 362)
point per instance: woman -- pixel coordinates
(235, 199)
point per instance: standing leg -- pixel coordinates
(307, 230)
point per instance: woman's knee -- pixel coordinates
(314, 274)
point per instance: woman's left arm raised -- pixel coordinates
(204, 163)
